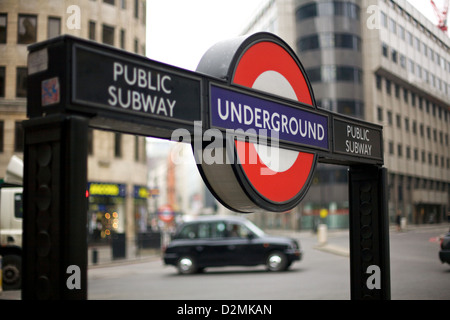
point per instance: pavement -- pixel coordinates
(102, 256)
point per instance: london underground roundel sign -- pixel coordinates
(259, 176)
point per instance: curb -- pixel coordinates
(337, 250)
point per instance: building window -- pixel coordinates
(26, 29)
(117, 145)
(350, 107)
(3, 24)
(144, 12)
(417, 43)
(91, 30)
(54, 27)
(394, 55)
(383, 19)
(109, 1)
(18, 137)
(136, 9)
(136, 45)
(380, 114)
(389, 116)
(384, 49)
(419, 71)
(391, 147)
(122, 38)
(332, 73)
(329, 40)
(378, 81)
(402, 61)
(2, 135)
(108, 35)
(308, 43)
(388, 86)
(398, 120)
(401, 32)
(409, 38)
(2, 82)
(397, 91)
(330, 8)
(392, 26)
(21, 82)
(411, 66)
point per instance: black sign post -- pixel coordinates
(75, 83)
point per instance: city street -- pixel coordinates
(323, 274)
(416, 273)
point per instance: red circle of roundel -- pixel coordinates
(275, 186)
(265, 56)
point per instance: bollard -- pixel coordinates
(403, 223)
(94, 256)
(322, 234)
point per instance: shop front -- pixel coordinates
(146, 235)
(106, 211)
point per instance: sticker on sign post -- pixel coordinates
(50, 91)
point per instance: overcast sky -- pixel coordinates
(181, 31)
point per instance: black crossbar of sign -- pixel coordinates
(126, 92)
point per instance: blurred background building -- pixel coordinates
(377, 60)
(384, 62)
(117, 168)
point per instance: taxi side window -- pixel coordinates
(237, 230)
(189, 231)
(218, 230)
(204, 230)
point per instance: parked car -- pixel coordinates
(444, 253)
(216, 241)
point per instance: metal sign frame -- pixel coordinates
(66, 96)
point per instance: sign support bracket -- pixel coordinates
(369, 233)
(54, 264)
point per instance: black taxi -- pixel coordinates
(217, 241)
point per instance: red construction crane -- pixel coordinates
(442, 15)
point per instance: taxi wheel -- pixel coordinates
(186, 265)
(276, 261)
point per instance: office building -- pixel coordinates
(117, 170)
(384, 62)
